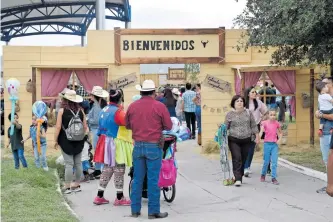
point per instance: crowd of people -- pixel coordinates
(133, 137)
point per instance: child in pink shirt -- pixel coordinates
(272, 128)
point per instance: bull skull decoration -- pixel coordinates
(204, 43)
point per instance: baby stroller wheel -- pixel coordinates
(144, 192)
(130, 187)
(169, 193)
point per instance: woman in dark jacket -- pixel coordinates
(170, 102)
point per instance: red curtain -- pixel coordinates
(53, 82)
(91, 77)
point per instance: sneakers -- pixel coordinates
(238, 183)
(76, 189)
(122, 202)
(67, 190)
(262, 178)
(247, 172)
(275, 182)
(100, 201)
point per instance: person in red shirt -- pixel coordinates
(147, 118)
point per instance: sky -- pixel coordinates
(156, 14)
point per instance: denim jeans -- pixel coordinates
(250, 156)
(19, 156)
(325, 142)
(41, 157)
(98, 166)
(271, 153)
(147, 158)
(85, 165)
(198, 117)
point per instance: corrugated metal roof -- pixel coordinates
(158, 68)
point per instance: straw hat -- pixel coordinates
(71, 96)
(147, 85)
(175, 91)
(99, 92)
(63, 92)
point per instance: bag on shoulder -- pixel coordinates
(75, 130)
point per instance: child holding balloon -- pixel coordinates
(15, 142)
(40, 157)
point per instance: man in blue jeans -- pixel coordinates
(147, 118)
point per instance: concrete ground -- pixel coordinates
(201, 196)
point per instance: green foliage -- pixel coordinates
(30, 194)
(192, 71)
(300, 29)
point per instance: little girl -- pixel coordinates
(271, 127)
(43, 145)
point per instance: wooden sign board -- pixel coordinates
(176, 74)
(156, 46)
(218, 84)
(123, 82)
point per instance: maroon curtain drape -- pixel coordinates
(53, 82)
(91, 77)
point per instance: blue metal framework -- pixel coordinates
(47, 21)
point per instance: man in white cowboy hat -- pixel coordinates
(147, 118)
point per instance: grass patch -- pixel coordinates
(304, 155)
(30, 195)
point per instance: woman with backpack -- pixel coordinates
(98, 95)
(71, 128)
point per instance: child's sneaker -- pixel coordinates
(45, 168)
(275, 182)
(122, 202)
(100, 201)
(262, 178)
(320, 132)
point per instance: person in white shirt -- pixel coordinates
(325, 102)
(179, 105)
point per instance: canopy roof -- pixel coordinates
(72, 17)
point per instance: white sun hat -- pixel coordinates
(63, 92)
(99, 92)
(175, 91)
(71, 96)
(147, 85)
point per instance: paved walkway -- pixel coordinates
(201, 196)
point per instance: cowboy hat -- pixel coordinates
(63, 92)
(99, 92)
(147, 85)
(175, 91)
(71, 96)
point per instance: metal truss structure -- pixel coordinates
(56, 17)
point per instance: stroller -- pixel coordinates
(169, 193)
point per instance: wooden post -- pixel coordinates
(243, 83)
(311, 106)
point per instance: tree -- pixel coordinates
(192, 71)
(301, 30)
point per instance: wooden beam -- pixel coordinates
(312, 106)
(169, 31)
(222, 45)
(33, 81)
(117, 46)
(169, 60)
(243, 84)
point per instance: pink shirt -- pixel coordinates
(271, 130)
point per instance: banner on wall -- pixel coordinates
(215, 109)
(123, 82)
(218, 84)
